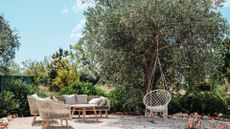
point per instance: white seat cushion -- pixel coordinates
(157, 108)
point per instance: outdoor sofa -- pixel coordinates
(103, 103)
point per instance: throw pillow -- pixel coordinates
(34, 95)
(81, 99)
(96, 101)
(70, 99)
(103, 102)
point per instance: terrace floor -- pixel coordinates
(113, 122)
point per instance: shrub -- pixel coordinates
(8, 103)
(126, 99)
(20, 90)
(206, 103)
(212, 103)
(174, 105)
(81, 88)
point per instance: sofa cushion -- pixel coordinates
(34, 95)
(70, 99)
(92, 97)
(103, 101)
(59, 98)
(96, 101)
(81, 99)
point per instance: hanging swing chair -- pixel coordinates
(157, 100)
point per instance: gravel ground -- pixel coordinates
(113, 122)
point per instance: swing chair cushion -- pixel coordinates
(157, 100)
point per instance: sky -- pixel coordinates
(44, 26)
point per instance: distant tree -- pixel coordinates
(37, 69)
(87, 66)
(14, 68)
(62, 71)
(127, 36)
(55, 72)
(8, 44)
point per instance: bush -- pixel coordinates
(8, 103)
(17, 91)
(174, 105)
(206, 103)
(126, 99)
(81, 88)
(212, 103)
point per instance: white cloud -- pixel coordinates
(76, 33)
(82, 6)
(227, 3)
(65, 10)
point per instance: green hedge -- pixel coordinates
(14, 98)
(8, 104)
(81, 88)
(126, 99)
(205, 103)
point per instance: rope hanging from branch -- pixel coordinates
(152, 76)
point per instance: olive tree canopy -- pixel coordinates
(127, 36)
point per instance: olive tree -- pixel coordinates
(127, 36)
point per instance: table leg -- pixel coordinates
(84, 113)
(95, 113)
(79, 114)
(72, 113)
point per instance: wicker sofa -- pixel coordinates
(102, 108)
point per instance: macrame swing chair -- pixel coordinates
(157, 100)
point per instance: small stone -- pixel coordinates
(4, 120)
(206, 117)
(179, 114)
(185, 115)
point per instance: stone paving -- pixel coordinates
(113, 122)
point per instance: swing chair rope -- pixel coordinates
(153, 70)
(157, 62)
(162, 75)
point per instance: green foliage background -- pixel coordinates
(14, 98)
(82, 88)
(205, 103)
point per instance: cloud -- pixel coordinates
(76, 33)
(227, 3)
(82, 6)
(65, 10)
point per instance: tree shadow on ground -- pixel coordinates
(125, 122)
(87, 121)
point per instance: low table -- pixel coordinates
(83, 108)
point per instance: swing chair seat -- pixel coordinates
(157, 101)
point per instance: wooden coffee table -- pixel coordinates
(84, 108)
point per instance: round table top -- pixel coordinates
(83, 105)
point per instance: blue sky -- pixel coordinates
(44, 26)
